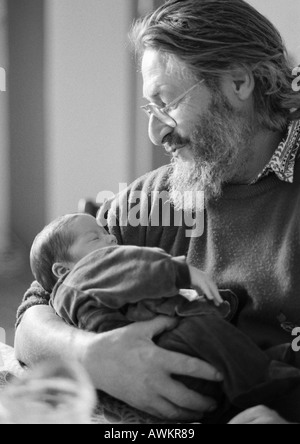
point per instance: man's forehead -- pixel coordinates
(160, 70)
(154, 70)
(153, 62)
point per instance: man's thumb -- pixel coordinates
(159, 325)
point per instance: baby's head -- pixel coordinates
(62, 244)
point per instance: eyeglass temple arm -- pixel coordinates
(184, 94)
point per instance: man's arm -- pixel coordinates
(115, 359)
(41, 335)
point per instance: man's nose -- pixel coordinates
(158, 130)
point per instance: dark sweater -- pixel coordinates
(251, 245)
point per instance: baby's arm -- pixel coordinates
(202, 282)
(114, 277)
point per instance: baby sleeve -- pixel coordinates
(114, 277)
(35, 295)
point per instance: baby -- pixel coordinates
(98, 286)
(148, 272)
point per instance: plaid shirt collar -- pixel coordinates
(284, 159)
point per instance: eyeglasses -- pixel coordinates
(162, 113)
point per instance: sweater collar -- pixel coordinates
(284, 159)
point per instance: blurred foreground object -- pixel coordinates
(53, 393)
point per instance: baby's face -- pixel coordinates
(89, 237)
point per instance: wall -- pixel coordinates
(4, 136)
(90, 80)
(285, 15)
(26, 119)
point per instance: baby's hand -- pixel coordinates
(205, 285)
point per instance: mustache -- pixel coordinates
(173, 141)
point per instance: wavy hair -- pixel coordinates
(212, 37)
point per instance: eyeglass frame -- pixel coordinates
(148, 109)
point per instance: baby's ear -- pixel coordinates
(59, 270)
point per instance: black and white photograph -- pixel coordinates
(149, 214)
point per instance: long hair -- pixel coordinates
(212, 37)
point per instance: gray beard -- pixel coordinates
(221, 147)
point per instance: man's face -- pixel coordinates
(211, 143)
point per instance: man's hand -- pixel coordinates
(203, 283)
(259, 415)
(126, 364)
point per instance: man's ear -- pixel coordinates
(243, 83)
(59, 270)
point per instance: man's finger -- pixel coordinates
(179, 364)
(188, 400)
(167, 410)
(157, 326)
